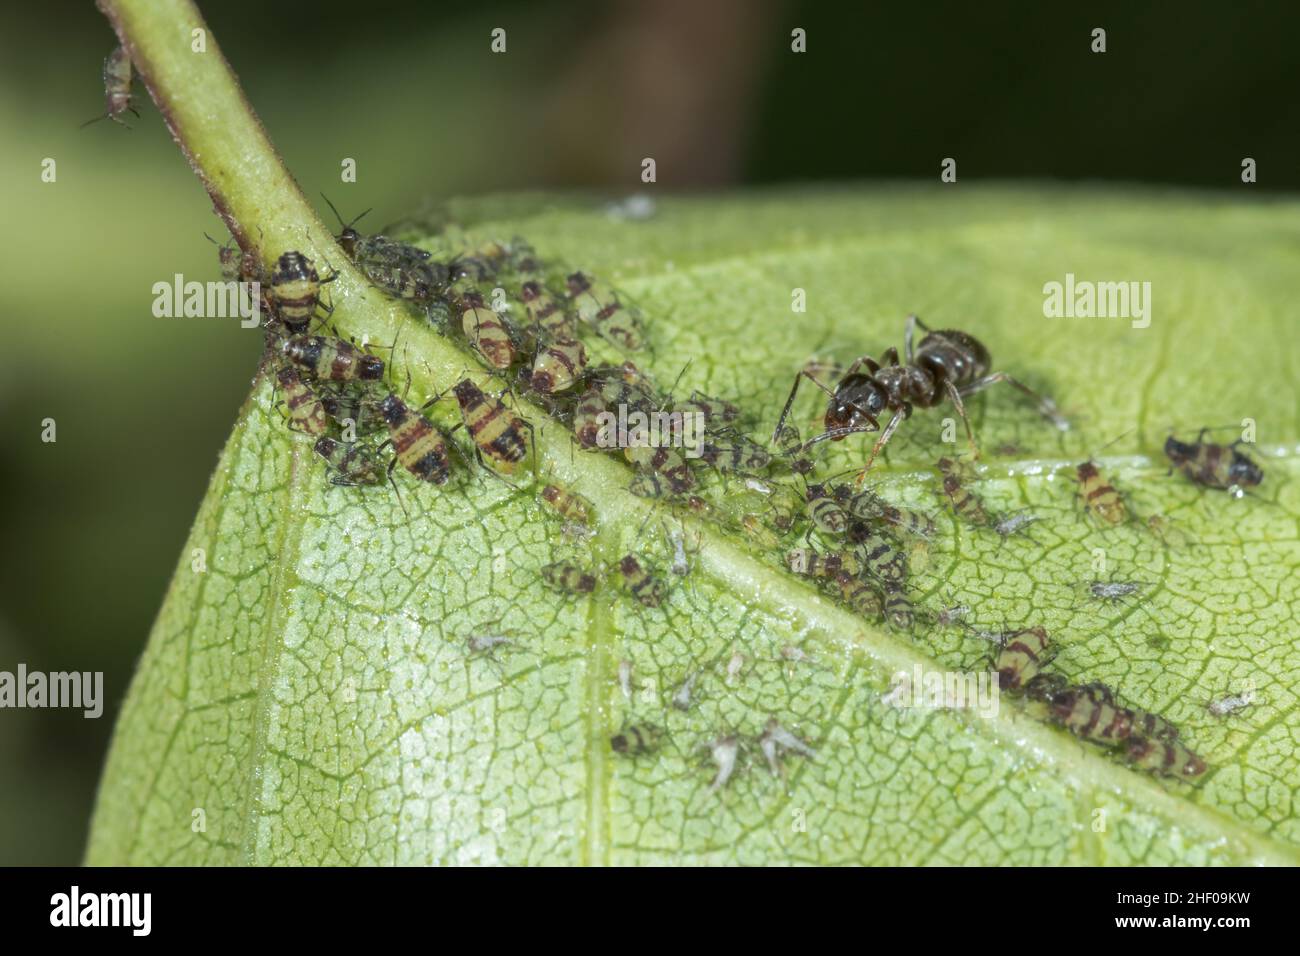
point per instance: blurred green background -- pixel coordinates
(93, 523)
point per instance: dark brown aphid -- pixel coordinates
(332, 360)
(352, 464)
(1099, 496)
(965, 503)
(948, 364)
(499, 435)
(645, 587)
(418, 445)
(1021, 658)
(568, 504)
(1214, 466)
(306, 414)
(557, 366)
(117, 88)
(295, 290)
(564, 576)
(635, 739)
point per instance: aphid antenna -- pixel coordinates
(1123, 434)
(344, 225)
(96, 119)
(400, 502)
(677, 381)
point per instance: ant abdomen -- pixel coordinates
(953, 355)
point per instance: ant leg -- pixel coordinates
(872, 366)
(909, 330)
(889, 357)
(837, 433)
(794, 390)
(887, 434)
(957, 403)
(1046, 407)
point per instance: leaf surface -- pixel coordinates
(313, 695)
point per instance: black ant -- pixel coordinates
(948, 364)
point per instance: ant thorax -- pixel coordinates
(908, 383)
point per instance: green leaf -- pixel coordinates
(312, 692)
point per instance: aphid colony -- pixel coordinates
(525, 324)
(1090, 711)
(866, 563)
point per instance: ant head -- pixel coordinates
(857, 396)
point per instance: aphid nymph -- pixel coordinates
(117, 88)
(1214, 466)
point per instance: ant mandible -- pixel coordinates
(947, 364)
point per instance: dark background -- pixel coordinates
(93, 524)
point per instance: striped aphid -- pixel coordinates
(598, 306)
(306, 413)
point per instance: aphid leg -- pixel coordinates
(887, 434)
(1046, 407)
